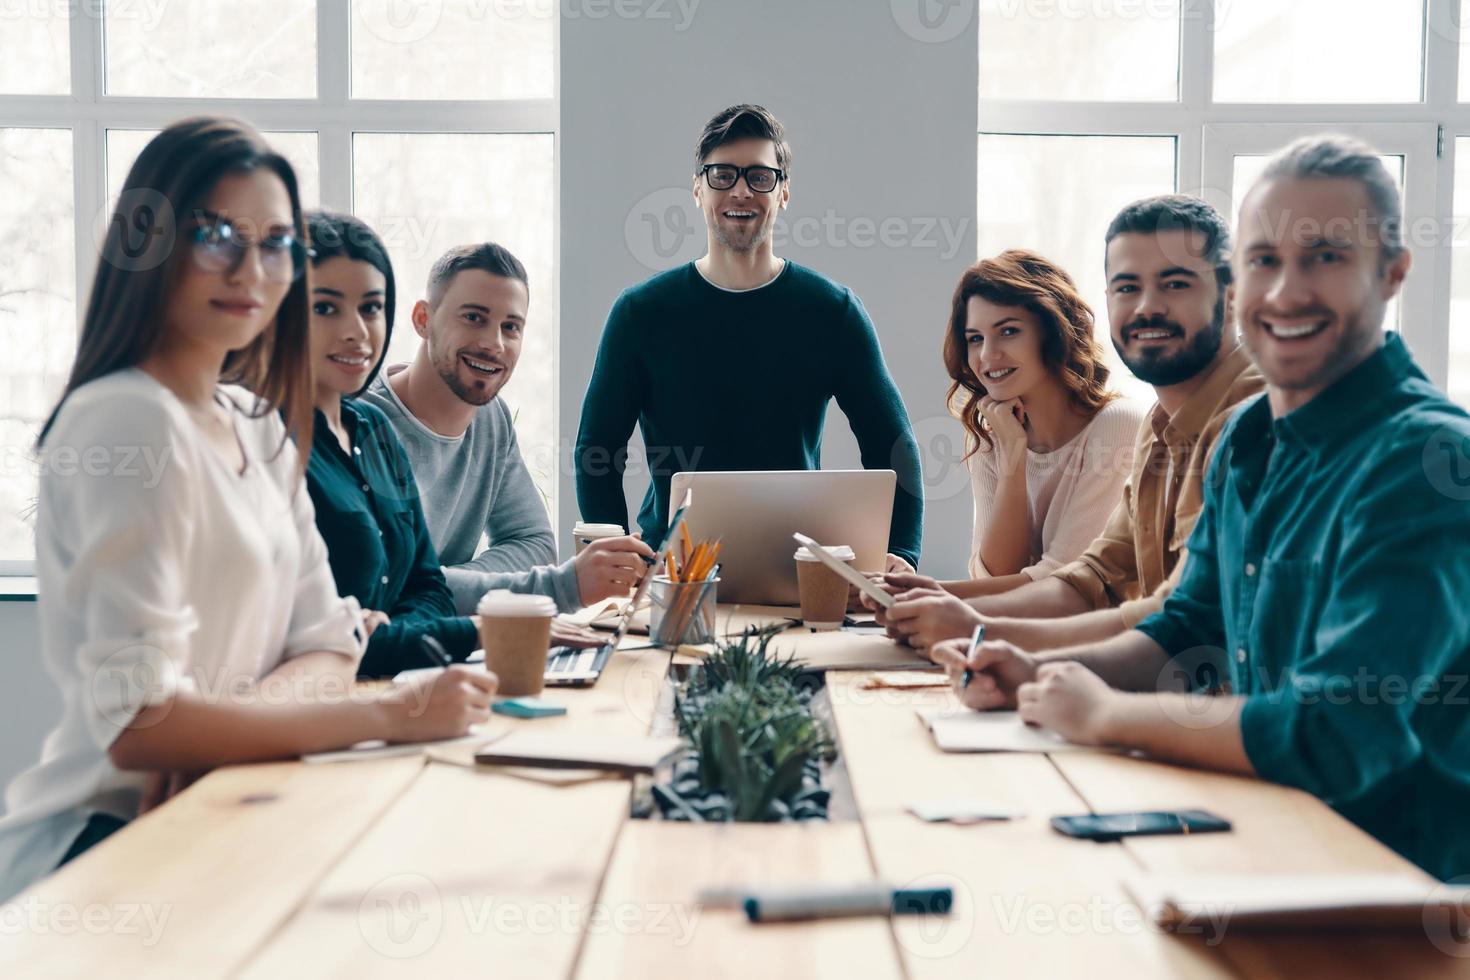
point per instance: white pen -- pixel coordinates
(976, 638)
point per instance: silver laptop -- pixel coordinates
(754, 514)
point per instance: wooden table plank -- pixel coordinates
(659, 868)
(1276, 829)
(1028, 901)
(479, 870)
(219, 867)
(474, 873)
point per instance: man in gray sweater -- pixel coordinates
(460, 440)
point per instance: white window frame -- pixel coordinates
(1208, 134)
(89, 112)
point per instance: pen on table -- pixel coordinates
(435, 651)
(777, 904)
(976, 638)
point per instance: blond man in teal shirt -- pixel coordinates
(1320, 634)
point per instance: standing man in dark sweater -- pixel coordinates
(728, 363)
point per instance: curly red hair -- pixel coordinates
(1068, 348)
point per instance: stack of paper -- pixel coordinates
(964, 730)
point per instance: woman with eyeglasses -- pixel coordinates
(187, 609)
(361, 482)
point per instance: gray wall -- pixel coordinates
(29, 701)
(881, 117)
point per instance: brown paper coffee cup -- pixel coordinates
(823, 592)
(515, 631)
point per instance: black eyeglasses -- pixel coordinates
(217, 247)
(723, 176)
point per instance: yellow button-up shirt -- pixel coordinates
(1133, 563)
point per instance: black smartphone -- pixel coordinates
(1116, 826)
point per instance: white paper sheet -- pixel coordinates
(963, 730)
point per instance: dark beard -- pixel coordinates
(1161, 372)
(450, 374)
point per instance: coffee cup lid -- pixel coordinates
(839, 551)
(499, 602)
(603, 530)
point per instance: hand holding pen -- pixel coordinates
(986, 674)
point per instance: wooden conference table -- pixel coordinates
(427, 866)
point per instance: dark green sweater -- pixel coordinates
(368, 513)
(721, 380)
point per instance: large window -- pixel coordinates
(386, 109)
(1085, 104)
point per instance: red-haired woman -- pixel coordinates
(1049, 445)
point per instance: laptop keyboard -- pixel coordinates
(563, 661)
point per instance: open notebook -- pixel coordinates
(1303, 901)
(963, 730)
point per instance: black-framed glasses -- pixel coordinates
(216, 246)
(723, 176)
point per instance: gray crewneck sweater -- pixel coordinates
(477, 484)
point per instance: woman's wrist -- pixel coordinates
(1010, 460)
(384, 714)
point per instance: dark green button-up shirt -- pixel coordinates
(368, 512)
(1328, 582)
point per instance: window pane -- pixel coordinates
(37, 49)
(1057, 194)
(1248, 167)
(451, 49)
(124, 145)
(1459, 366)
(265, 49)
(37, 312)
(1104, 50)
(1318, 50)
(1464, 24)
(485, 188)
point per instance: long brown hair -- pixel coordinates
(142, 256)
(1068, 348)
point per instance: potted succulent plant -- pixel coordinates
(755, 748)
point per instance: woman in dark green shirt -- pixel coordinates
(367, 504)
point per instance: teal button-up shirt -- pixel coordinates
(1328, 582)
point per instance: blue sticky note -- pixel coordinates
(527, 708)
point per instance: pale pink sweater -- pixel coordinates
(1071, 490)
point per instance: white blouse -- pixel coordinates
(1070, 491)
(160, 568)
